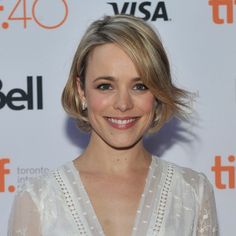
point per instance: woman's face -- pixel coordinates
(120, 107)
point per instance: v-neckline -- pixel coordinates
(89, 207)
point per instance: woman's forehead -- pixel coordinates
(110, 59)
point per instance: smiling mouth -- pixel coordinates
(122, 123)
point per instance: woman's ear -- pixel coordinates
(80, 88)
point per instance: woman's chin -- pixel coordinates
(123, 144)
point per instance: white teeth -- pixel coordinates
(121, 122)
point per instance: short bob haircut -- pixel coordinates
(143, 46)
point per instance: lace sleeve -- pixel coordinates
(24, 219)
(207, 221)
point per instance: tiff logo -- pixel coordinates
(217, 5)
(221, 169)
(4, 171)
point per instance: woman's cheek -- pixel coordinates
(97, 102)
(147, 104)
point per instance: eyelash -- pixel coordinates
(140, 87)
(106, 86)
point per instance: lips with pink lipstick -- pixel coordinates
(122, 122)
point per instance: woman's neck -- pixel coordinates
(100, 157)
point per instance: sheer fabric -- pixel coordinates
(176, 201)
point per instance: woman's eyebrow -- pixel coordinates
(136, 79)
(110, 78)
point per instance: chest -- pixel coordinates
(115, 200)
(161, 209)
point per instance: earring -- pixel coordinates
(156, 117)
(84, 106)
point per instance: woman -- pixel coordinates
(119, 89)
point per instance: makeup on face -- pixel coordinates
(120, 107)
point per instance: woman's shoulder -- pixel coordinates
(186, 176)
(41, 186)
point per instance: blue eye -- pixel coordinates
(104, 86)
(140, 87)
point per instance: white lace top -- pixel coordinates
(176, 201)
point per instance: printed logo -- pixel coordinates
(235, 89)
(224, 172)
(218, 6)
(23, 175)
(4, 171)
(37, 11)
(18, 99)
(146, 10)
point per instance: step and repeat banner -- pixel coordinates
(38, 39)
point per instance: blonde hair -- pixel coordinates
(143, 46)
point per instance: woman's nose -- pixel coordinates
(123, 101)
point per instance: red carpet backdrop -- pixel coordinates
(37, 41)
